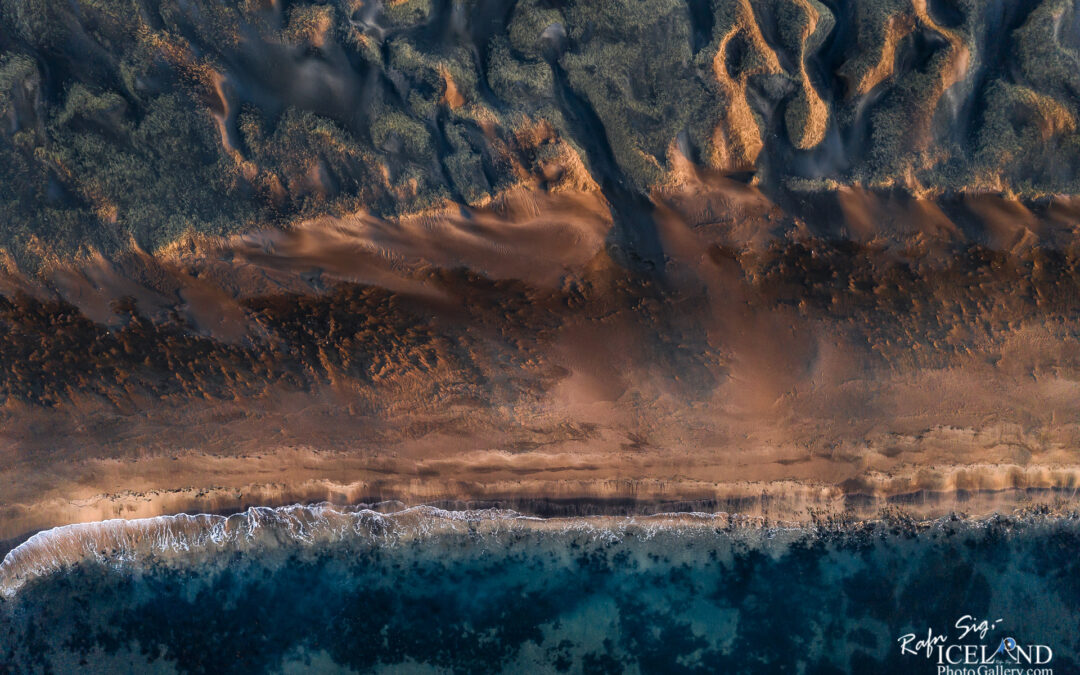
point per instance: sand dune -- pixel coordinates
(776, 256)
(500, 355)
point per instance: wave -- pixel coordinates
(188, 539)
(170, 539)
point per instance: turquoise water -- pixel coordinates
(314, 589)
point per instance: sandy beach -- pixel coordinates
(540, 376)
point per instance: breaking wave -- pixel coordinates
(383, 588)
(180, 539)
(190, 539)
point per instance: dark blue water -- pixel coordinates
(426, 591)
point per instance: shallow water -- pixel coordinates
(423, 590)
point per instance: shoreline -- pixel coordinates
(780, 509)
(182, 538)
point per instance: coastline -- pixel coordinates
(639, 587)
(574, 389)
(764, 504)
(184, 539)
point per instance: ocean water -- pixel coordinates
(320, 589)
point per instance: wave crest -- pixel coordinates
(163, 539)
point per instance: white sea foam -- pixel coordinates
(191, 539)
(177, 538)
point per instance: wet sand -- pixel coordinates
(602, 470)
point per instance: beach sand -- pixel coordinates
(512, 361)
